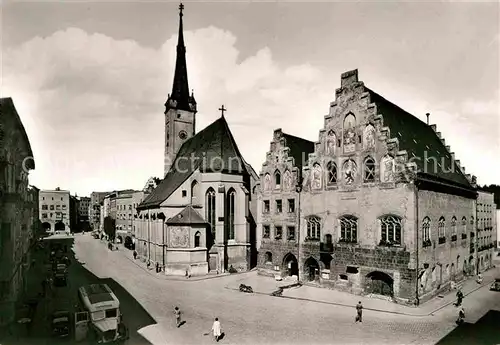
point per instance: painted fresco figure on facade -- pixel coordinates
(369, 137)
(330, 143)
(287, 180)
(316, 177)
(387, 169)
(349, 133)
(349, 171)
(267, 182)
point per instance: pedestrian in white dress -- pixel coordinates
(216, 329)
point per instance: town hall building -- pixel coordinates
(377, 205)
(199, 219)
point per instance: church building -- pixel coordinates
(198, 219)
(378, 205)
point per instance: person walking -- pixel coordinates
(216, 329)
(359, 310)
(177, 313)
(461, 315)
(460, 297)
(135, 255)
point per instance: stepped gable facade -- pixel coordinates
(385, 208)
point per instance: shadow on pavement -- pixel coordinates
(66, 298)
(483, 332)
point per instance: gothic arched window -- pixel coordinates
(426, 229)
(369, 170)
(454, 225)
(210, 210)
(441, 227)
(195, 188)
(197, 238)
(231, 209)
(348, 229)
(277, 179)
(313, 228)
(332, 172)
(390, 230)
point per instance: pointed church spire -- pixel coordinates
(180, 98)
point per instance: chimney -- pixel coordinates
(427, 114)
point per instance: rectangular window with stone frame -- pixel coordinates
(279, 206)
(291, 233)
(291, 205)
(266, 233)
(278, 234)
(267, 206)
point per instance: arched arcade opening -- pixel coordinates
(290, 265)
(311, 269)
(380, 283)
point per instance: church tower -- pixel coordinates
(180, 108)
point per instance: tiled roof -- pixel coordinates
(212, 149)
(7, 108)
(419, 140)
(251, 170)
(299, 149)
(187, 216)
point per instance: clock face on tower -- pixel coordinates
(182, 135)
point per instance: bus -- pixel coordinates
(103, 308)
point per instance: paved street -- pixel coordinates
(66, 298)
(255, 318)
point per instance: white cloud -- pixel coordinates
(93, 105)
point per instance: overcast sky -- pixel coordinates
(90, 79)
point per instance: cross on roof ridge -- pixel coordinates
(222, 109)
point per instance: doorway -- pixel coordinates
(311, 269)
(290, 265)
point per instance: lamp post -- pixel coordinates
(298, 189)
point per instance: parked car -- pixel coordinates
(60, 323)
(495, 286)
